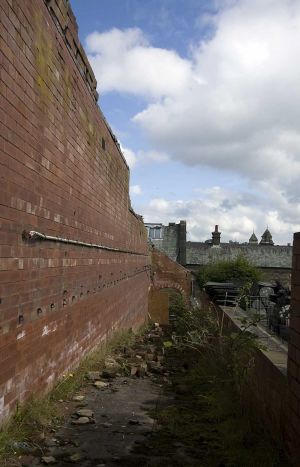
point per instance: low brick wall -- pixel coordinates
(265, 392)
(293, 415)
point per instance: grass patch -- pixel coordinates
(39, 414)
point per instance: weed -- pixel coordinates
(39, 414)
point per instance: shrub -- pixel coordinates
(237, 270)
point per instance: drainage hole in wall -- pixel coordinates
(21, 319)
(39, 311)
(73, 298)
(52, 306)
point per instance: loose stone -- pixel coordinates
(94, 375)
(133, 422)
(48, 460)
(78, 398)
(76, 457)
(50, 442)
(101, 384)
(85, 413)
(81, 421)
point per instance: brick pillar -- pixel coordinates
(293, 416)
(182, 243)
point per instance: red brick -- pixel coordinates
(56, 179)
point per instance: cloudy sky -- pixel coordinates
(204, 97)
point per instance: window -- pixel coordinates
(103, 144)
(155, 233)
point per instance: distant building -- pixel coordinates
(274, 260)
(253, 239)
(266, 238)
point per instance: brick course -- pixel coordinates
(57, 301)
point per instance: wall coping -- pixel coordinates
(274, 350)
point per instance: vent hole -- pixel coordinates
(21, 319)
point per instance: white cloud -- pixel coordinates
(233, 106)
(236, 214)
(152, 156)
(135, 190)
(143, 157)
(130, 156)
(126, 62)
(240, 110)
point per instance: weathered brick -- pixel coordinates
(56, 179)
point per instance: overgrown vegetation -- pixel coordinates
(39, 414)
(207, 422)
(203, 332)
(212, 419)
(238, 270)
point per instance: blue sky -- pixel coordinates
(201, 95)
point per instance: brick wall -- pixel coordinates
(293, 416)
(261, 256)
(264, 391)
(167, 275)
(62, 174)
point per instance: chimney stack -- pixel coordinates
(216, 236)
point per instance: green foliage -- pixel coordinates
(209, 423)
(202, 331)
(214, 416)
(238, 270)
(177, 304)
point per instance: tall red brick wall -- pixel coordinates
(62, 174)
(293, 416)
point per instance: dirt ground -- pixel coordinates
(154, 407)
